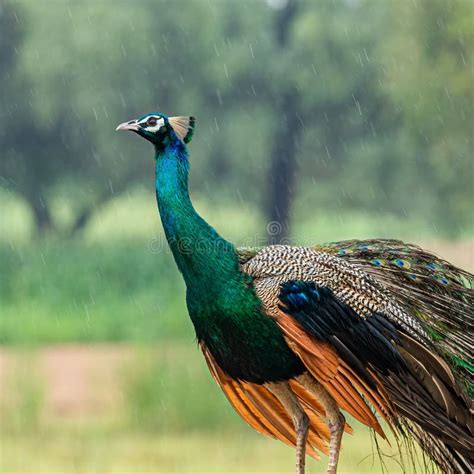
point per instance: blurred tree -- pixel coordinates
(286, 93)
(282, 168)
(430, 77)
(22, 141)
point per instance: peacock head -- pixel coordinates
(159, 129)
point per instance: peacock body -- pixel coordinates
(294, 335)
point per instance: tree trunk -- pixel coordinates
(84, 216)
(81, 220)
(42, 215)
(281, 173)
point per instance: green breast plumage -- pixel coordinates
(245, 342)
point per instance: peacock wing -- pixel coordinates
(359, 342)
(341, 372)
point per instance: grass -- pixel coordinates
(22, 400)
(168, 388)
(79, 451)
(117, 281)
(88, 292)
(60, 292)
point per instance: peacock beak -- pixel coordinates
(132, 125)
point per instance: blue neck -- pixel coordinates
(197, 248)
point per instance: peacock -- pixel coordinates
(297, 336)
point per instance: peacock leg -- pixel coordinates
(288, 399)
(335, 418)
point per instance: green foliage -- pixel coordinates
(381, 92)
(383, 95)
(432, 85)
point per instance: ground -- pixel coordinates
(79, 430)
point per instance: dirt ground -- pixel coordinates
(75, 380)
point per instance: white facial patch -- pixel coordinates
(152, 127)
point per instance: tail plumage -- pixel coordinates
(435, 398)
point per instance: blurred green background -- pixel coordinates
(337, 119)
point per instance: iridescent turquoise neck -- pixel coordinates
(200, 253)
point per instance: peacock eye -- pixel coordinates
(151, 121)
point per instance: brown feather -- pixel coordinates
(437, 378)
(262, 411)
(234, 395)
(335, 375)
